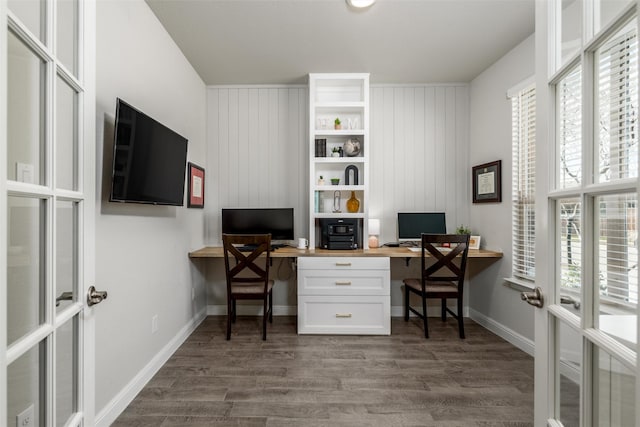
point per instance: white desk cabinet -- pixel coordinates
(344, 295)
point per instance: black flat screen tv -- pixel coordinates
(149, 160)
(277, 221)
(411, 225)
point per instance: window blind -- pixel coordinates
(617, 77)
(616, 247)
(569, 111)
(617, 158)
(523, 120)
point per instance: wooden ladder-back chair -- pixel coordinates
(247, 278)
(442, 279)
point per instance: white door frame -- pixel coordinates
(3, 210)
(88, 139)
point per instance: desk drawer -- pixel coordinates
(362, 315)
(337, 282)
(343, 263)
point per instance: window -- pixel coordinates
(569, 175)
(617, 92)
(523, 120)
(615, 157)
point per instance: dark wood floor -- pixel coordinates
(292, 380)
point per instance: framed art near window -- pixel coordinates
(487, 182)
(195, 197)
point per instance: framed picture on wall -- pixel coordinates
(487, 182)
(195, 196)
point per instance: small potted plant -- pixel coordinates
(337, 124)
(335, 181)
(463, 229)
(335, 152)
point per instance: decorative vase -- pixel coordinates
(351, 147)
(353, 204)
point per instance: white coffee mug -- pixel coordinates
(302, 243)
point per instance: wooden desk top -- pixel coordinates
(400, 252)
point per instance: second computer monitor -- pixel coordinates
(411, 225)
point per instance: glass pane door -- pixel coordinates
(587, 331)
(45, 200)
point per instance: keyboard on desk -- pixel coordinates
(251, 248)
(443, 250)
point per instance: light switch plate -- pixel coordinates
(24, 172)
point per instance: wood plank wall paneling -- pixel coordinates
(257, 152)
(419, 155)
(257, 155)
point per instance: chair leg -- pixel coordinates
(271, 307)
(460, 319)
(229, 315)
(406, 303)
(444, 309)
(424, 316)
(265, 316)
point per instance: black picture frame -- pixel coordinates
(195, 195)
(487, 182)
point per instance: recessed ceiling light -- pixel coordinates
(360, 3)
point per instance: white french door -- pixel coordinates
(587, 213)
(47, 240)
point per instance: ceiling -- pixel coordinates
(397, 41)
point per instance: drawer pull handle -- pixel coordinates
(343, 283)
(343, 264)
(343, 315)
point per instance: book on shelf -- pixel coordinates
(321, 147)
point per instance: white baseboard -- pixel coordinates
(252, 310)
(292, 310)
(119, 403)
(509, 335)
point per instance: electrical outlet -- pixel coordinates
(154, 324)
(26, 418)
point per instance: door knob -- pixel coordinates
(65, 296)
(566, 299)
(534, 298)
(95, 297)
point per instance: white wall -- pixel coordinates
(419, 162)
(141, 250)
(490, 128)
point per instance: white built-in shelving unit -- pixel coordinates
(344, 96)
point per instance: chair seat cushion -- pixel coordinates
(432, 287)
(250, 288)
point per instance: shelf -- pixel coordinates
(341, 132)
(338, 215)
(340, 105)
(339, 188)
(343, 96)
(337, 160)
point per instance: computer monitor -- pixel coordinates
(277, 221)
(411, 225)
